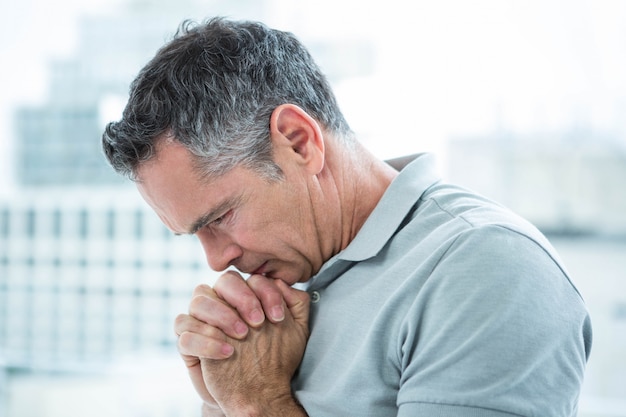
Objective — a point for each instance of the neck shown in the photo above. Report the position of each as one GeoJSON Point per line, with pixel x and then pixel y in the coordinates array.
{"type": "Point", "coordinates": [355, 180]}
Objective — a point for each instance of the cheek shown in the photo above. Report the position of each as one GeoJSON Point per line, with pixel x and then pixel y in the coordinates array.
{"type": "Point", "coordinates": [252, 236]}
{"type": "Point", "coordinates": [278, 229]}
{"type": "Point", "coordinates": [269, 237]}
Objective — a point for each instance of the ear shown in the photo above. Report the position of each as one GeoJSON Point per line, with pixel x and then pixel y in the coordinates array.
{"type": "Point", "coordinates": [292, 129]}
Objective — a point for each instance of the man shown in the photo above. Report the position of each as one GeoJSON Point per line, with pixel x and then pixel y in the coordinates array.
{"type": "Point", "coordinates": [422, 298]}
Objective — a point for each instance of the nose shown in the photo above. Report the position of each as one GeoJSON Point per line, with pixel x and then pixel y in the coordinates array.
{"type": "Point", "coordinates": [220, 251]}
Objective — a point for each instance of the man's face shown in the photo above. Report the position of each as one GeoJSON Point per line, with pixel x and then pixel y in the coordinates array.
{"type": "Point", "coordinates": [240, 218]}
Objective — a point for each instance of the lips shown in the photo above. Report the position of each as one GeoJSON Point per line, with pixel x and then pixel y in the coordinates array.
{"type": "Point", "coordinates": [260, 270]}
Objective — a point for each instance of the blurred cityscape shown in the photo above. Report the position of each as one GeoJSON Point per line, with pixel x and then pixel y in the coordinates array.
{"type": "Point", "coordinates": [90, 281]}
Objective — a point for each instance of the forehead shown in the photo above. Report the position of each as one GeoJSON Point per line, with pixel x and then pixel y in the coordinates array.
{"type": "Point", "coordinates": [171, 163]}
{"type": "Point", "coordinates": [173, 188]}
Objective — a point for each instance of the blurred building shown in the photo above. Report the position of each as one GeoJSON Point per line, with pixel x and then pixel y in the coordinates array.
{"type": "Point", "coordinates": [88, 274]}
{"type": "Point", "coordinates": [85, 281]}
{"type": "Point", "coordinates": [57, 141]}
{"type": "Point", "coordinates": [564, 182]}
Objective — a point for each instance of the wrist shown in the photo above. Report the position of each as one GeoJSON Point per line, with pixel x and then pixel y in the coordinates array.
{"type": "Point", "coordinates": [211, 410]}
{"type": "Point", "coordinates": [283, 406]}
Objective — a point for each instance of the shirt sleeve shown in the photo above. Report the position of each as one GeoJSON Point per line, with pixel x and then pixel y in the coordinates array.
{"type": "Point", "coordinates": [497, 330]}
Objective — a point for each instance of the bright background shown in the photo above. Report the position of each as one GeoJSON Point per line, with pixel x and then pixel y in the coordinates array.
{"type": "Point", "coordinates": [524, 101]}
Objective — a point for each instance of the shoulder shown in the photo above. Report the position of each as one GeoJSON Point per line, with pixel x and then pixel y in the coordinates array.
{"type": "Point", "coordinates": [497, 310]}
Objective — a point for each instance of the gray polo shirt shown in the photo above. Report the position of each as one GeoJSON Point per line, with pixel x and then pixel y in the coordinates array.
{"type": "Point", "coordinates": [444, 304]}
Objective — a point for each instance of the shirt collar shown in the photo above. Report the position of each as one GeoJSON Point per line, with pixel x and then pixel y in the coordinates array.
{"type": "Point", "coordinates": [395, 204]}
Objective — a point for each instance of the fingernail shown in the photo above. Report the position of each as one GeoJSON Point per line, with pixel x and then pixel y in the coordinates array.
{"type": "Point", "coordinates": [240, 328]}
{"type": "Point", "coordinates": [278, 313]}
{"type": "Point", "coordinates": [227, 350]}
{"type": "Point", "coordinates": [256, 317]}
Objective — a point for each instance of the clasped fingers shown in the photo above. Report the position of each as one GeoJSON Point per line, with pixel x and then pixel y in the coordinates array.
{"type": "Point", "coordinates": [209, 309]}
{"type": "Point", "coordinates": [254, 299]}
{"type": "Point", "coordinates": [197, 339]}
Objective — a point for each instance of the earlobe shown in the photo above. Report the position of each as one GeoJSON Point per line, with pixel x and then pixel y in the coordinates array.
{"type": "Point", "coordinates": [293, 128]}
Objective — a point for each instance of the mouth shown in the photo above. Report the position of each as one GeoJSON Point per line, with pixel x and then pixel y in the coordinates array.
{"type": "Point", "coordinates": [262, 270]}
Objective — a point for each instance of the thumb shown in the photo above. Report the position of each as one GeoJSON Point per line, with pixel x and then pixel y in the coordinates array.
{"type": "Point", "coordinates": [298, 302]}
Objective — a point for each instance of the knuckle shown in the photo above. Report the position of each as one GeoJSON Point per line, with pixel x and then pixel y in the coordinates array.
{"type": "Point", "coordinates": [195, 345]}
{"type": "Point", "coordinates": [247, 303]}
{"type": "Point", "coordinates": [185, 324]}
{"type": "Point", "coordinates": [257, 279]}
{"type": "Point", "coordinates": [198, 302]}
{"type": "Point", "coordinates": [240, 297]}
{"type": "Point", "coordinates": [184, 342]}
{"type": "Point", "coordinates": [179, 321]}
{"type": "Point", "coordinates": [270, 295]}
{"type": "Point", "coordinates": [228, 278]}
{"type": "Point", "coordinates": [214, 333]}
{"type": "Point", "coordinates": [303, 295]}
{"type": "Point", "coordinates": [202, 289]}
{"type": "Point", "coordinates": [206, 311]}
{"type": "Point", "coordinates": [262, 285]}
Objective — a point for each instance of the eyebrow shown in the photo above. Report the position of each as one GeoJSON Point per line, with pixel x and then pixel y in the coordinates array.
{"type": "Point", "coordinates": [213, 214]}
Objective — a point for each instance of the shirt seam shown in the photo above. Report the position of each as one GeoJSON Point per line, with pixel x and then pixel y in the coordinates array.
{"type": "Point", "coordinates": [462, 406]}
{"type": "Point", "coordinates": [517, 232]}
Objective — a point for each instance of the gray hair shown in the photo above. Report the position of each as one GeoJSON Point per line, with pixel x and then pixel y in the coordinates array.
{"type": "Point", "coordinates": [213, 88]}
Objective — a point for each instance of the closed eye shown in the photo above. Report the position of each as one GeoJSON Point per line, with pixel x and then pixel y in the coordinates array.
{"type": "Point", "coordinates": [216, 216]}
{"type": "Point", "coordinates": [221, 219]}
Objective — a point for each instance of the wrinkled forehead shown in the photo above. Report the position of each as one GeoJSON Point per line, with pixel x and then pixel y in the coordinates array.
{"type": "Point", "coordinates": [170, 185]}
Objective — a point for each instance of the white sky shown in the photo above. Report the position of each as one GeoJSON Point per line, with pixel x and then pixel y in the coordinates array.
{"type": "Point", "coordinates": [448, 67]}
{"type": "Point", "coordinates": [31, 33]}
